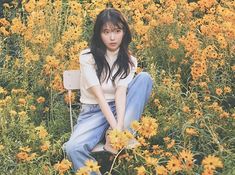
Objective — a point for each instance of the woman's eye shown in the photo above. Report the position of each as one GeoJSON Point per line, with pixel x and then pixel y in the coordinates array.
{"type": "Point", "coordinates": [105, 31]}
{"type": "Point", "coordinates": [118, 30]}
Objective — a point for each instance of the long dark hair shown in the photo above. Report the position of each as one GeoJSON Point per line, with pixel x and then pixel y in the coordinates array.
{"type": "Point", "coordinates": [98, 49]}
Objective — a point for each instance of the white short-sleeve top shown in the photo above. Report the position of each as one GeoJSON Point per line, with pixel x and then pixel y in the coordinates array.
{"type": "Point", "coordinates": [89, 77]}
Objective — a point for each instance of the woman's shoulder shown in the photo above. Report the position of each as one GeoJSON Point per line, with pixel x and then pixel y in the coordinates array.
{"type": "Point", "coordinates": [86, 56]}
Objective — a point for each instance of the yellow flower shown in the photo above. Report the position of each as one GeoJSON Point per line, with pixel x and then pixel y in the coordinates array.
{"type": "Point", "coordinates": [4, 22]}
{"type": "Point", "coordinates": [212, 162]}
{"type": "Point", "coordinates": [157, 102]}
{"type": "Point", "coordinates": [186, 157]}
{"type": "Point", "coordinates": [32, 108]}
{"type": "Point", "coordinates": [3, 91]}
{"type": "Point", "coordinates": [57, 83]}
{"type": "Point", "coordinates": [186, 109]}
{"type": "Point", "coordinates": [4, 31]}
{"type": "Point", "coordinates": [161, 170]}
{"type": "Point", "coordinates": [142, 141]}
{"type": "Point", "coordinates": [75, 7]}
{"type": "Point", "coordinates": [203, 85]}
{"type": "Point", "coordinates": [42, 132]}
{"type": "Point", "coordinates": [218, 91]}
{"type": "Point", "coordinates": [68, 98]}
{"type": "Point", "coordinates": [118, 139]}
{"type": "Point", "coordinates": [52, 62]}
{"type": "Point", "coordinates": [166, 139]}
{"type": "Point", "coordinates": [13, 113]}
{"type": "Point", "coordinates": [42, 3]}
{"type": "Point", "coordinates": [25, 149]}
{"type": "Point", "coordinates": [191, 131]}
{"type": "Point", "coordinates": [22, 101]}
{"type": "Point", "coordinates": [139, 69]}
{"type": "Point", "coordinates": [135, 125]}
{"type": "Point", "coordinates": [171, 144]}
{"type": "Point", "coordinates": [46, 109]}
{"type": "Point", "coordinates": [173, 45]}
{"type": "Point", "coordinates": [32, 156]}
{"type": "Point", "coordinates": [63, 166]}
{"type": "Point", "coordinates": [208, 172]}
{"type": "Point", "coordinates": [197, 113]}
{"type": "Point", "coordinates": [224, 115]}
{"type": "Point", "coordinates": [157, 150]}
{"type": "Point", "coordinates": [174, 165]}
{"type": "Point", "coordinates": [92, 166]}
{"type": "Point", "coordinates": [149, 127]}
{"type": "Point", "coordinates": [3, 103]}
{"type": "Point", "coordinates": [41, 100]}
{"type": "Point", "coordinates": [17, 26]}
{"type": "Point", "coordinates": [227, 89]}
{"type": "Point", "coordinates": [233, 68]}
{"type": "Point", "coordinates": [8, 99]}
{"type": "Point", "coordinates": [46, 145]}
{"type": "Point", "coordinates": [30, 6]}
{"type": "Point", "coordinates": [207, 98]}
{"type": "Point", "coordinates": [59, 50]}
{"type": "Point", "coordinates": [140, 170]}
{"type": "Point", "coordinates": [166, 81]}
{"type": "Point", "coordinates": [83, 171]}
{"type": "Point", "coordinates": [22, 114]}
{"type": "Point", "coordinates": [18, 91]}
{"type": "Point", "coordinates": [233, 115]}
{"type": "Point", "coordinates": [23, 156]}
{"type": "Point", "coordinates": [151, 161]}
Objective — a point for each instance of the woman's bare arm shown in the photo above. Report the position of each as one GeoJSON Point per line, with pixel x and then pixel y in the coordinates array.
{"type": "Point", "coordinates": [97, 91]}
{"type": "Point", "coordinates": [120, 101]}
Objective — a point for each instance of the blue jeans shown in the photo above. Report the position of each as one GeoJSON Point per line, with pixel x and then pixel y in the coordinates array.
{"type": "Point", "coordinates": [92, 125]}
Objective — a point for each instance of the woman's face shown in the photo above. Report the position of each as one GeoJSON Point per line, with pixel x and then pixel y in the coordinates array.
{"type": "Point", "coordinates": [111, 36]}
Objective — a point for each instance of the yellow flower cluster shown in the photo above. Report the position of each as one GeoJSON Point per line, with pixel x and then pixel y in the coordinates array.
{"type": "Point", "coordinates": [42, 132]}
{"type": "Point", "coordinates": [210, 163]}
{"type": "Point", "coordinates": [17, 26]}
{"type": "Point", "coordinates": [119, 139]}
{"type": "Point", "coordinates": [29, 56]}
{"type": "Point", "coordinates": [90, 167]}
{"type": "Point", "coordinates": [24, 154]}
{"type": "Point", "coordinates": [147, 127]}
{"type": "Point", "coordinates": [63, 166]}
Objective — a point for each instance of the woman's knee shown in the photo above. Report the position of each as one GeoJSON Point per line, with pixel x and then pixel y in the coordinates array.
{"type": "Point", "coordinates": [145, 77]}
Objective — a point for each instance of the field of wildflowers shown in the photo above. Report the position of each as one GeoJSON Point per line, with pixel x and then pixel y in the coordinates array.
{"type": "Point", "coordinates": [187, 46]}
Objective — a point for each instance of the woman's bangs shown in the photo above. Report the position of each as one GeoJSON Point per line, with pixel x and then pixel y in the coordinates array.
{"type": "Point", "coordinates": [114, 21]}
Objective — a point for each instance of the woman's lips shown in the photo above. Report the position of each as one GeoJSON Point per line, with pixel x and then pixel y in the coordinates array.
{"type": "Point", "coordinates": [113, 44]}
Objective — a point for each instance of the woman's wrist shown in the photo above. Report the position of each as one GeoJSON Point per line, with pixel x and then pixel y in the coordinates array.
{"type": "Point", "coordinates": [113, 125]}
{"type": "Point", "coordinates": [120, 126]}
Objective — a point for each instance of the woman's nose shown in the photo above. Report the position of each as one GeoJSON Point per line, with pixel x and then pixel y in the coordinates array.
{"type": "Point", "coordinates": [112, 36]}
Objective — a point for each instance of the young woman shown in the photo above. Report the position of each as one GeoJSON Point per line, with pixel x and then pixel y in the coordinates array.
{"type": "Point", "coordinates": [110, 95]}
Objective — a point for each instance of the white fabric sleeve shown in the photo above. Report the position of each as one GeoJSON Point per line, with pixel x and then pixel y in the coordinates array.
{"type": "Point", "coordinates": [87, 68]}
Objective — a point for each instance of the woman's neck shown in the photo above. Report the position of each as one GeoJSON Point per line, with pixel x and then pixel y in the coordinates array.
{"type": "Point", "coordinates": [112, 54]}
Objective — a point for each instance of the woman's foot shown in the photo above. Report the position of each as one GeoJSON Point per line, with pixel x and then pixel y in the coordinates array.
{"type": "Point", "coordinates": [110, 149]}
